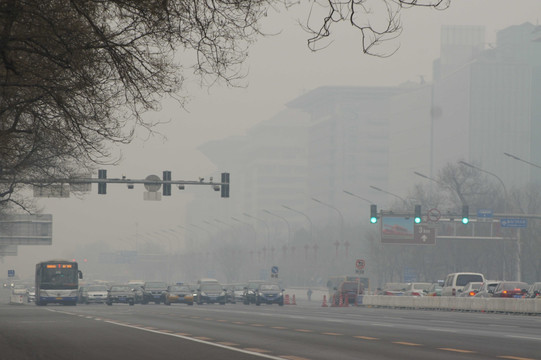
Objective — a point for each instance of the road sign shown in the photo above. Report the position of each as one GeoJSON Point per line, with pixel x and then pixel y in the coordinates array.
{"type": "Point", "coordinates": [485, 214]}
{"type": "Point", "coordinates": [360, 264]}
{"type": "Point", "coordinates": [150, 186]}
{"type": "Point", "coordinates": [433, 215]}
{"type": "Point", "coordinates": [11, 273]}
{"type": "Point", "coordinates": [424, 235]}
{"type": "Point", "coordinates": [514, 223]}
{"type": "Point", "coordinates": [274, 269]}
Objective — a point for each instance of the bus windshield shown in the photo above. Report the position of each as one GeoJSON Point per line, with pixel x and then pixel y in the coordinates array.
{"type": "Point", "coordinates": [58, 278]}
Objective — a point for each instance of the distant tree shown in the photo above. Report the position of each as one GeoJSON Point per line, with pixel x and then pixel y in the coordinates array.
{"type": "Point", "coordinates": [77, 75]}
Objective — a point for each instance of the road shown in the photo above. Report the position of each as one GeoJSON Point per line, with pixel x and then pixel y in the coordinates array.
{"type": "Point", "coordinates": [294, 332]}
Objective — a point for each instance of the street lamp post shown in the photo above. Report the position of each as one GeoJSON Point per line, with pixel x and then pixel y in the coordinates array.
{"type": "Point", "coordinates": [339, 213]}
{"type": "Point", "coordinates": [389, 193]}
{"type": "Point", "coordinates": [307, 218]}
{"type": "Point", "coordinates": [357, 196]}
{"type": "Point", "coordinates": [287, 222]}
{"type": "Point", "coordinates": [460, 196]}
{"type": "Point", "coordinates": [506, 198]}
{"type": "Point", "coordinates": [264, 223]}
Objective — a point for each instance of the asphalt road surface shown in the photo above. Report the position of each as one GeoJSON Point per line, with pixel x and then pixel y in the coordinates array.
{"type": "Point", "coordinates": [294, 332]}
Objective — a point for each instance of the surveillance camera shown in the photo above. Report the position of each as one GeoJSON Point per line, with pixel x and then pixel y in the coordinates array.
{"type": "Point", "coordinates": [130, 186]}
{"type": "Point", "coordinates": [216, 187]}
{"type": "Point", "coordinates": [181, 187]}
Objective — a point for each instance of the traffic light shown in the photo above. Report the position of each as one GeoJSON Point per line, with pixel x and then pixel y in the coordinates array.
{"type": "Point", "coordinates": [373, 214]}
{"type": "Point", "coordinates": [225, 185]}
{"type": "Point", "coordinates": [465, 214]}
{"type": "Point", "coordinates": [102, 186]}
{"type": "Point", "coordinates": [166, 187]}
{"type": "Point", "coordinates": [417, 218]}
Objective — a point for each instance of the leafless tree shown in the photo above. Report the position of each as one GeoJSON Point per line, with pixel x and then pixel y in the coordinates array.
{"type": "Point", "coordinates": [77, 75]}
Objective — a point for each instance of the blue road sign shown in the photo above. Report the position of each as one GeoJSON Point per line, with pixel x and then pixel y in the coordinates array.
{"type": "Point", "coordinates": [514, 223]}
{"type": "Point", "coordinates": [274, 269]}
{"type": "Point", "coordinates": [11, 273]}
{"type": "Point", "coordinates": [485, 213]}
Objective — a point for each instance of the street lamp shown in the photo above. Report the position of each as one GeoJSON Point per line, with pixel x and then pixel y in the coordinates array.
{"type": "Point", "coordinates": [390, 193]}
{"type": "Point", "coordinates": [264, 223]}
{"type": "Point", "coordinates": [307, 218]}
{"type": "Point", "coordinates": [519, 159]}
{"type": "Point", "coordinates": [339, 213]}
{"type": "Point", "coordinates": [287, 222]}
{"type": "Point", "coordinates": [461, 198]}
{"type": "Point", "coordinates": [245, 223]}
{"type": "Point", "coordinates": [518, 265]}
{"type": "Point", "coordinates": [357, 196]}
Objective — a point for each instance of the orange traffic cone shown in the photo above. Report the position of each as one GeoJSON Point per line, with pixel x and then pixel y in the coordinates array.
{"type": "Point", "coordinates": [346, 301]}
{"type": "Point", "coordinates": [341, 301]}
{"type": "Point", "coordinates": [286, 300]}
{"type": "Point", "coordinates": [334, 300]}
{"type": "Point", "coordinates": [324, 301]}
{"type": "Point", "coordinates": [293, 302]}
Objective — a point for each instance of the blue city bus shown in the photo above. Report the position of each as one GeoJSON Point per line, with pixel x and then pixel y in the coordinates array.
{"type": "Point", "coordinates": [57, 281]}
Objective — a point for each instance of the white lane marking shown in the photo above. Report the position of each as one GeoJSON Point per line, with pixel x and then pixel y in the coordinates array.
{"type": "Point", "coordinates": [524, 337]}
{"type": "Point", "coordinates": [199, 341]}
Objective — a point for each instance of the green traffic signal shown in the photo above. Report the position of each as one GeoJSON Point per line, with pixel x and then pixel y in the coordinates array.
{"type": "Point", "coordinates": [373, 214]}
{"type": "Point", "coordinates": [417, 218]}
{"type": "Point", "coordinates": [465, 214]}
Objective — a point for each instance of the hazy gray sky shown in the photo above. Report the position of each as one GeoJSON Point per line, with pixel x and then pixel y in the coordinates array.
{"type": "Point", "coordinates": [280, 68]}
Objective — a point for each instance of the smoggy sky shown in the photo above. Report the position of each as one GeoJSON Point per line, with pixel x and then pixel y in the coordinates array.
{"type": "Point", "coordinates": [279, 68]}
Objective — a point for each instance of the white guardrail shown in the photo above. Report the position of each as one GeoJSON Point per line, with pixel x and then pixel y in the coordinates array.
{"type": "Point", "coordinates": [522, 306]}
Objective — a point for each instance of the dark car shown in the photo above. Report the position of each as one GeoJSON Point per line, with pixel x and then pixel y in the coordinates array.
{"type": "Point", "coordinates": [120, 294]}
{"type": "Point", "coordinates": [250, 291]}
{"type": "Point", "coordinates": [180, 294]}
{"type": "Point", "coordinates": [210, 293]}
{"type": "Point", "coordinates": [269, 294]}
{"type": "Point", "coordinates": [511, 289]}
{"type": "Point", "coordinates": [153, 292]}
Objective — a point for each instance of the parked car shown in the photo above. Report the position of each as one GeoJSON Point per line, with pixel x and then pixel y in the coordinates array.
{"type": "Point", "coordinates": [487, 288]}
{"type": "Point", "coordinates": [250, 291]}
{"type": "Point", "coordinates": [455, 282]}
{"type": "Point", "coordinates": [153, 291]}
{"type": "Point", "coordinates": [417, 289]}
{"type": "Point", "coordinates": [95, 294]}
{"type": "Point", "coordinates": [534, 291]}
{"type": "Point", "coordinates": [179, 294]}
{"type": "Point", "coordinates": [470, 289]}
{"type": "Point", "coordinates": [269, 293]}
{"type": "Point", "coordinates": [434, 290]}
{"type": "Point", "coordinates": [120, 294]}
{"type": "Point", "coordinates": [210, 293]}
{"type": "Point", "coordinates": [511, 289]}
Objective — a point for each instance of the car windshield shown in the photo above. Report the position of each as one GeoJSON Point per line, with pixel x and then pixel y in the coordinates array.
{"type": "Point", "coordinates": [97, 288]}
{"type": "Point", "coordinates": [155, 285]}
{"type": "Point", "coordinates": [464, 279]}
{"type": "Point", "coordinates": [211, 287]}
{"type": "Point", "coordinates": [475, 285]}
{"type": "Point", "coordinates": [116, 288]}
{"type": "Point", "coordinates": [179, 288]}
{"type": "Point", "coordinates": [270, 287]}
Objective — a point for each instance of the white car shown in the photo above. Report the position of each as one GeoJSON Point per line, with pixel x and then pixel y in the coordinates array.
{"type": "Point", "coordinates": [19, 289]}
{"type": "Point", "coordinates": [96, 294]}
{"type": "Point", "coordinates": [470, 289]}
{"type": "Point", "coordinates": [417, 289]}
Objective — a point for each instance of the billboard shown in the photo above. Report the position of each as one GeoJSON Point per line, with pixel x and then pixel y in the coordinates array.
{"type": "Point", "coordinates": [24, 229]}
{"type": "Point", "coordinates": [402, 230]}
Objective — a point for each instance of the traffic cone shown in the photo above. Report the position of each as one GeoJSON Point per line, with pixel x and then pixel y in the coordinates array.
{"type": "Point", "coordinates": [293, 302]}
{"type": "Point", "coordinates": [346, 301]}
{"type": "Point", "coordinates": [286, 300]}
{"type": "Point", "coordinates": [324, 301]}
{"type": "Point", "coordinates": [341, 301]}
{"type": "Point", "coordinates": [333, 304]}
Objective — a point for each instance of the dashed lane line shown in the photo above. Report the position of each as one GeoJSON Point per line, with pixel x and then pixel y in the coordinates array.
{"type": "Point", "coordinates": [366, 337]}
{"type": "Point", "coordinates": [457, 350]}
{"type": "Point", "coordinates": [406, 343]}
{"type": "Point", "coordinates": [514, 357]}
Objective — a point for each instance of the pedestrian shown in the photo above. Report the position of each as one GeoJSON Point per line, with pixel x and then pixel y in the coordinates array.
{"type": "Point", "coordinates": [309, 293]}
